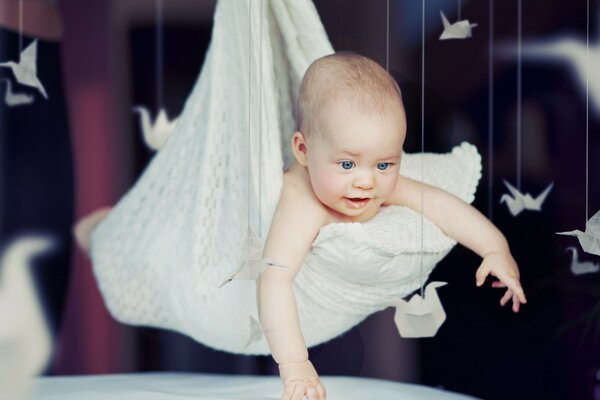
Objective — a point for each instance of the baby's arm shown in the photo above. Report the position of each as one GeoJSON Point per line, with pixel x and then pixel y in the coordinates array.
{"type": "Point", "coordinates": [470, 228]}
{"type": "Point", "coordinates": [295, 224]}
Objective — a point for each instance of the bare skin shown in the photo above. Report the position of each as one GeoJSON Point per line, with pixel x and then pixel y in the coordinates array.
{"type": "Point", "coordinates": [345, 163]}
{"type": "Point", "coordinates": [316, 189]}
{"type": "Point", "coordinates": [297, 176]}
{"type": "Point", "coordinates": [83, 228]}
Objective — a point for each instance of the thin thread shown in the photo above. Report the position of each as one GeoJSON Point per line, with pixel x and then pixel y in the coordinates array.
{"type": "Point", "coordinates": [387, 37]}
{"type": "Point", "coordinates": [260, 130]}
{"type": "Point", "coordinates": [249, 114]}
{"type": "Point", "coordinates": [20, 26]}
{"type": "Point", "coordinates": [159, 55]}
{"type": "Point", "coordinates": [491, 114]}
{"type": "Point", "coordinates": [519, 98]}
{"type": "Point", "coordinates": [587, 111]}
{"type": "Point", "coordinates": [459, 9]}
{"type": "Point", "coordinates": [422, 134]}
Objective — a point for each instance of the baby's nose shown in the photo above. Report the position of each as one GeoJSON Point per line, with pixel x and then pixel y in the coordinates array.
{"type": "Point", "coordinates": [364, 181]}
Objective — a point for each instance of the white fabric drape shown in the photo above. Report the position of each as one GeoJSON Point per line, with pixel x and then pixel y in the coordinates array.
{"type": "Point", "coordinates": [183, 228]}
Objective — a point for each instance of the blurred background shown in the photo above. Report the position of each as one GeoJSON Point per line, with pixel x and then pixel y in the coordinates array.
{"type": "Point", "coordinates": [83, 149]}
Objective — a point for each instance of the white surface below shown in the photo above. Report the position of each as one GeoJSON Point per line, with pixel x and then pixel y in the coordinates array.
{"type": "Point", "coordinates": [182, 386]}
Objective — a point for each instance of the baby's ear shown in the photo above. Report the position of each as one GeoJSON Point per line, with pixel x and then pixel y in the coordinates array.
{"type": "Point", "coordinates": [299, 148]}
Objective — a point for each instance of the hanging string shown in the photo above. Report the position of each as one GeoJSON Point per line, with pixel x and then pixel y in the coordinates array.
{"type": "Point", "coordinates": [387, 37]}
{"type": "Point", "coordinates": [587, 111]}
{"type": "Point", "coordinates": [491, 112]}
{"type": "Point", "coordinates": [159, 55]}
{"type": "Point", "coordinates": [260, 128]}
{"type": "Point", "coordinates": [519, 97]}
{"type": "Point", "coordinates": [20, 26]}
{"type": "Point", "coordinates": [459, 9]}
{"type": "Point", "coordinates": [249, 115]}
{"type": "Point", "coordinates": [422, 134]}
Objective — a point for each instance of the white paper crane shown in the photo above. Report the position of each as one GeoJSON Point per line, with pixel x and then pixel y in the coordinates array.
{"type": "Point", "coordinates": [517, 202]}
{"type": "Point", "coordinates": [158, 132]}
{"type": "Point", "coordinates": [13, 99]}
{"type": "Point", "coordinates": [420, 317]}
{"type": "Point", "coordinates": [251, 269]}
{"type": "Point", "coordinates": [256, 332]}
{"type": "Point", "coordinates": [26, 70]}
{"type": "Point", "coordinates": [25, 340]}
{"type": "Point", "coordinates": [570, 51]}
{"type": "Point", "coordinates": [590, 239]}
{"type": "Point", "coordinates": [581, 267]}
{"type": "Point", "coordinates": [458, 30]}
{"type": "Point", "coordinates": [253, 265]}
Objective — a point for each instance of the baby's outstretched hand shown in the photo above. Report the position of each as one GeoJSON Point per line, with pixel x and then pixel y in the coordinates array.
{"type": "Point", "coordinates": [503, 266]}
{"type": "Point", "coordinates": [300, 379]}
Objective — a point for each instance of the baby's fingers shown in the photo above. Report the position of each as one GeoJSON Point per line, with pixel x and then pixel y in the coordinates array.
{"type": "Point", "coordinates": [515, 287]}
{"type": "Point", "coordinates": [516, 304]}
{"type": "Point", "coordinates": [498, 284]}
{"type": "Point", "coordinates": [321, 391]}
{"type": "Point", "coordinates": [288, 391]}
{"type": "Point", "coordinates": [312, 394]}
{"type": "Point", "coordinates": [291, 391]}
{"type": "Point", "coordinates": [481, 274]}
{"type": "Point", "coordinates": [506, 297]}
{"type": "Point", "coordinates": [299, 391]}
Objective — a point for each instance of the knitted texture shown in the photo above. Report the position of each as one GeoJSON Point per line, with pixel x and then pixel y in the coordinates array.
{"type": "Point", "coordinates": [183, 228]}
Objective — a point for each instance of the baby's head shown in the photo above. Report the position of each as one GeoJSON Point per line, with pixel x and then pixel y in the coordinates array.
{"type": "Point", "coordinates": [350, 132]}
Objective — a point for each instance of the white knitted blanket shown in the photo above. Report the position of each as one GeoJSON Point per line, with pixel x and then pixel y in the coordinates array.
{"type": "Point", "coordinates": [180, 231]}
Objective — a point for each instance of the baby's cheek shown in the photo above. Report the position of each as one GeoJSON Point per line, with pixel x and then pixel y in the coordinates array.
{"type": "Point", "coordinates": [388, 185]}
{"type": "Point", "coordinates": [330, 186]}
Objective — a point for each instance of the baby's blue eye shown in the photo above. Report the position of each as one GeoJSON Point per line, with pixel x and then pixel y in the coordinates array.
{"type": "Point", "coordinates": [346, 164]}
{"type": "Point", "coordinates": [382, 166]}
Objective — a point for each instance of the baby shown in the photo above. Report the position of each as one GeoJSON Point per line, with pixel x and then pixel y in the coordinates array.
{"type": "Point", "coordinates": [347, 149]}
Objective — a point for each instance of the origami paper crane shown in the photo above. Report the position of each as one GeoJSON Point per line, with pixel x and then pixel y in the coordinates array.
{"type": "Point", "coordinates": [25, 341]}
{"type": "Point", "coordinates": [458, 30]}
{"type": "Point", "coordinates": [251, 269]}
{"type": "Point", "coordinates": [590, 239]}
{"type": "Point", "coordinates": [581, 267]}
{"type": "Point", "coordinates": [256, 332]}
{"type": "Point", "coordinates": [570, 51]}
{"type": "Point", "coordinates": [519, 202]}
{"type": "Point", "coordinates": [158, 132]}
{"type": "Point", "coordinates": [253, 265]}
{"type": "Point", "coordinates": [13, 99]}
{"type": "Point", "coordinates": [26, 70]}
{"type": "Point", "coordinates": [420, 317]}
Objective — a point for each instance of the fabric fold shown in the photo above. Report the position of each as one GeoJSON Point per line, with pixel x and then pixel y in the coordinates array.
{"type": "Point", "coordinates": [206, 200]}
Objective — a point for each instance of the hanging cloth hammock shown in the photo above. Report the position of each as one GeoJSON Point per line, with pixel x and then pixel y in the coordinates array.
{"type": "Point", "coordinates": [204, 205]}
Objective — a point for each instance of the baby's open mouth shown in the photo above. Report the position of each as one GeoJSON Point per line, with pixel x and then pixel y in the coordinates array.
{"type": "Point", "coordinates": [357, 202]}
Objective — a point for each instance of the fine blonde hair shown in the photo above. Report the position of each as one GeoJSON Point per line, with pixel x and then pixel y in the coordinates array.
{"type": "Point", "coordinates": [345, 77]}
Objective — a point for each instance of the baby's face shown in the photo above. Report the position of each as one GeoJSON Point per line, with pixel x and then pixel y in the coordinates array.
{"type": "Point", "coordinates": [354, 161]}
